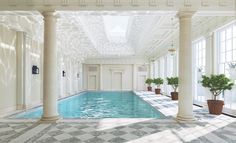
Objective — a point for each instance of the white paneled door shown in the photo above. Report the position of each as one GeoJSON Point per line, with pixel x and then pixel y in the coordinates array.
{"type": "Point", "coordinates": [92, 82]}
{"type": "Point", "coordinates": [117, 81]}
{"type": "Point", "coordinates": [141, 82]}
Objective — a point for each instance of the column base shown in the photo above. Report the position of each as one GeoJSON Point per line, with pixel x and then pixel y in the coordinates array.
{"type": "Point", "coordinates": [50, 119]}
{"type": "Point", "coordinates": [185, 118]}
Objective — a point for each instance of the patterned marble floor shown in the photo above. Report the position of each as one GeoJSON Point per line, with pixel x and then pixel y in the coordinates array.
{"type": "Point", "coordinates": [206, 128]}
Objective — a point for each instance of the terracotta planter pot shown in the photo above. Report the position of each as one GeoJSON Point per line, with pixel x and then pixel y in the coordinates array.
{"type": "Point", "coordinates": [158, 91]}
{"type": "Point", "coordinates": [174, 95]}
{"type": "Point", "coordinates": [149, 88]}
{"type": "Point", "coordinates": [215, 106]}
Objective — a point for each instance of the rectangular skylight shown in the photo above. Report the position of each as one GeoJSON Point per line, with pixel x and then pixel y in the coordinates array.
{"type": "Point", "coordinates": [116, 28]}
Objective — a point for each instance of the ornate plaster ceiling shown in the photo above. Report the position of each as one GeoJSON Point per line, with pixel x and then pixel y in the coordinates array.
{"type": "Point", "coordinates": [89, 34]}
{"type": "Point", "coordinates": [129, 33]}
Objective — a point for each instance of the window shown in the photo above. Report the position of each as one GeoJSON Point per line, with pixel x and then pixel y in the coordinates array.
{"type": "Point", "coordinates": [200, 54]}
{"type": "Point", "coordinates": [162, 67]}
{"type": "Point", "coordinates": [199, 64]}
{"type": "Point", "coordinates": [156, 67]}
{"type": "Point", "coordinates": [169, 68]}
{"type": "Point", "coordinates": [169, 65]}
{"type": "Point", "coordinates": [226, 51]}
{"type": "Point", "coordinates": [226, 43]}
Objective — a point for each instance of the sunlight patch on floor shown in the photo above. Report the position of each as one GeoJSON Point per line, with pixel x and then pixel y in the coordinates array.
{"type": "Point", "coordinates": [105, 124]}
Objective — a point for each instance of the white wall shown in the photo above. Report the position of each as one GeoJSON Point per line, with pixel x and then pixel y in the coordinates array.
{"type": "Point", "coordinates": [7, 69]}
{"type": "Point", "coordinates": [36, 58]}
{"type": "Point", "coordinates": [32, 51]}
{"type": "Point", "coordinates": [108, 70]}
{"type": "Point", "coordinates": [19, 88]}
{"type": "Point", "coordinates": [69, 84]}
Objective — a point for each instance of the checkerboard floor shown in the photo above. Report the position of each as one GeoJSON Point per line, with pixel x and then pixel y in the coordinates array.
{"type": "Point", "coordinates": [206, 128]}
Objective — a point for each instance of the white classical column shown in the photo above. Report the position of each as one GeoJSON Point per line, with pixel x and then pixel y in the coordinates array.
{"type": "Point", "coordinates": [50, 90]}
{"type": "Point", "coordinates": [20, 55]}
{"type": "Point", "coordinates": [185, 111]}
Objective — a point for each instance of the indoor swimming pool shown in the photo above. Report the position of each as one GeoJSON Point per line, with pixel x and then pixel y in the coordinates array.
{"type": "Point", "coordinates": [99, 105]}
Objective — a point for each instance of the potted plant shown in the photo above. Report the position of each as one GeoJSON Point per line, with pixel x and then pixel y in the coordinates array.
{"type": "Point", "coordinates": [217, 84]}
{"type": "Point", "coordinates": [174, 82]}
{"type": "Point", "coordinates": [158, 82]}
{"type": "Point", "coordinates": [149, 81]}
{"type": "Point", "coordinates": [232, 70]}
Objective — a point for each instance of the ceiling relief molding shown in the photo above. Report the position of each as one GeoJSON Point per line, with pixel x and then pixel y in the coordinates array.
{"type": "Point", "coordinates": [170, 3]}
{"type": "Point", "coordinates": [152, 3]}
{"type": "Point", "coordinates": [47, 2]}
{"type": "Point", "coordinates": [117, 3]}
{"type": "Point", "coordinates": [86, 35]}
{"type": "Point", "coordinates": [29, 2]}
{"type": "Point", "coordinates": [224, 2]}
{"type": "Point", "coordinates": [212, 5]}
{"type": "Point", "coordinates": [13, 2]}
{"type": "Point", "coordinates": [64, 2]}
{"type": "Point", "coordinates": [99, 2]}
{"type": "Point", "coordinates": [205, 3]}
{"type": "Point", "coordinates": [81, 3]}
{"type": "Point", "coordinates": [188, 3]}
{"type": "Point", "coordinates": [134, 2]}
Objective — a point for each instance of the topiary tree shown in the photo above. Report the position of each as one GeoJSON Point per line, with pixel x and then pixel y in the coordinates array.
{"type": "Point", "coordinates": [149, 81]}
{"type": "Point", "coordinates": [174, 82]}
{"type": "Point", "coordinates": [158, 81]}
{"type": "Point", "coordinates": [217, 84]}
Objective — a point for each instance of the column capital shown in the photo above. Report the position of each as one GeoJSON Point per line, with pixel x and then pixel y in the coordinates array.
{"type": "Point", "coordinates": [50, 14]}
{"type": "Point", "coordinates": [185, 14]}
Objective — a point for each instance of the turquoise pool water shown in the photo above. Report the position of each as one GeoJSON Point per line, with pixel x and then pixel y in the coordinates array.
{"type": "Point", "coordinates": [100, 105]}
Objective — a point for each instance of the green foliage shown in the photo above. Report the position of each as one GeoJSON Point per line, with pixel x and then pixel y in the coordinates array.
{"type": "Point", "coordinates": [217, 84]}
{"type": "Point", "coordinates": [149, 81]}
{"type": "Point", "coordinates": [158, 81]}
{"type": "Point", "coordinates": [174, 82]}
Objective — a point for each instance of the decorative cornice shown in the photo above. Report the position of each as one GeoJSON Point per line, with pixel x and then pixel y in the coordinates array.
{"type": "Point", "coordinates": [186, 14]}
{"type": "Point", "coordinates": [220, 5]}
{"type": "Point", "coordinates": [50, 14]}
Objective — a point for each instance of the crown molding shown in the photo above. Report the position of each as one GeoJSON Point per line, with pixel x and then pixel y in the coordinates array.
{"type": "Point", "coordinates": [60, 5]}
